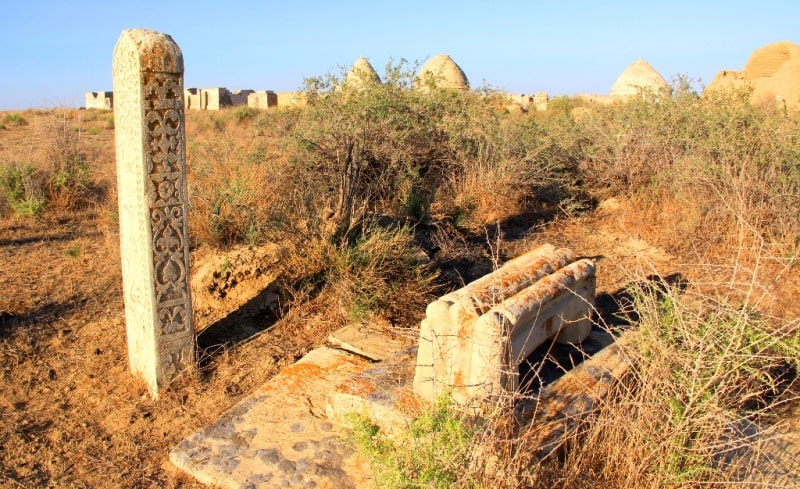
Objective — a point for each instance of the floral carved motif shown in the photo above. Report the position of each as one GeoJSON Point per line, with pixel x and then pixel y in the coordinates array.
{"type": "Point", "coordinates": [165, 150]}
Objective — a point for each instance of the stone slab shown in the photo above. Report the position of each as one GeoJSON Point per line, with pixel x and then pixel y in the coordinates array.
{"type": "Point", "coordinates": [366, 340]}
{"type": "Point", "coordinates": [279, 436]}
{"type": "Point", "coordinates": [384, 393]}
{"type": "Point", "coordinates": [572, 398]}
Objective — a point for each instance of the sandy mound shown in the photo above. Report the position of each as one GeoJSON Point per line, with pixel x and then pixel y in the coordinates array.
{"type": "Point", "coordinates": [638, 76]}
{"type": "Point", "coordinates": [442, 72]}
{"type": "Point", "coordinates": [773, 72]}
{"type": "Point", "coordinates": [225, 281]}
{"type": "Point", "coordinates": [361, 74]}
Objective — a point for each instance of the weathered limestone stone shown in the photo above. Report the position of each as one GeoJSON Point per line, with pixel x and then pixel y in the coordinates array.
{"type": "Point", "coordinates": [262, 99]}
{"type": "Point", "coordinates": [638, 76]}
{"type": "Point", "coordinates": [366, 340]}
{"type": "Point", "coordinates": [193, 98]}
{"type": "Point", "coordinates": [239, 97]}
{"type": "Point", "coordinates": [100, 100]}
{"type": "Point", "coordinates": [151, 184]}
{"type": "Point", "coordinates": [473, 340]}
{"type": "Point", "coordinates": [279, 436]}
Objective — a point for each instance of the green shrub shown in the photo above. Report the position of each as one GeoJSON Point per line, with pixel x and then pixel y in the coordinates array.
{"type": "Point", "coordinates": [14, 120]}
{"type": "Point", "coordinates": [434, 452]}
{"type": "Point", "coordinates": [69, 182]}
{"type": "Point", "coordinates": [378, 273]}
{"type": "Point", "coordinates": [22, 189]}
{"type": "Point", "coordinates": [245, 113]}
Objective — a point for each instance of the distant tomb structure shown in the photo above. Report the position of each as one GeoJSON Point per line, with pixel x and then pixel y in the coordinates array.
{"type": "Point", "coordinates": [772, 72]}
{"type": "Point", "coordinates": [153, 204]}
{"type": "Point", "coordinates": [239, 97]}
{"type": "Point", "coordinates": [639, 76]}
{"type": "Point", "coordinates": [262, 99]}
{"type": "Point", "coordinates": [441, 72]}
{"type": "Point", "coordinates": [100, 100]}
{"type": "Point", "coordinates": [292, 99]}
{"type": "Point", "coordinates": [361, 75]}
{"type": "Point", "coordinates": [215, 98]}
{"type": "Point", "coordinates": [193, 99]}
{"type": "Point", "coordinates": [540, 101]}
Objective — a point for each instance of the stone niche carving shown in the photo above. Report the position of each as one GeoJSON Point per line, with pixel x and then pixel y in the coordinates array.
{"type": "Point", "coordinates": [473, 340]}
{"type": "Point", "coordinates": [153, 202]}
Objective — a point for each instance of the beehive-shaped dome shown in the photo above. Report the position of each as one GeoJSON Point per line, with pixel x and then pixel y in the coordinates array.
{"type": "Point", "coordinates": [442, 72]}
{"type": "Point", "coordinates": [362, 74]}
{"type": "Point", "coordinates": [636, 77]}
{"type": "Point", "coordinates": [768, 60]}
{"type": "Point", "coordinates": [772, 71]}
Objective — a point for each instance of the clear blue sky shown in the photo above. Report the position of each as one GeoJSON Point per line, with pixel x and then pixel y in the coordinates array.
{"type": "Point", "coordinates": [52, 52]}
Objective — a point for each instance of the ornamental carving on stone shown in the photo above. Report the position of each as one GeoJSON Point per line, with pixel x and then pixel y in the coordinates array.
{"type": "Point", "coordinates": [165, 150]}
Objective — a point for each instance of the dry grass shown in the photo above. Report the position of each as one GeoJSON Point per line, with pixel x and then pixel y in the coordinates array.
{"type": "Point", "coordinates": [445, 187]}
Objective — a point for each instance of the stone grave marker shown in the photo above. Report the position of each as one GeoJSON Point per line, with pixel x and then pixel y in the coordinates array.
{"type": "Point", "coordinates": [153, 203]}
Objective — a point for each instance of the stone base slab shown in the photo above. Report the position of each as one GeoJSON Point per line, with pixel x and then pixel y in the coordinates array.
{"type": "Point", "coordinates": [279, 436]}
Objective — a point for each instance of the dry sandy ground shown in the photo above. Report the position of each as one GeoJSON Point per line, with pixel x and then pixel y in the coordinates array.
{"type": "Point", "coordinates": [71, 415]}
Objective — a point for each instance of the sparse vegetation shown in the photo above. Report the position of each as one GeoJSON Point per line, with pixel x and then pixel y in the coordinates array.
{"type": "Point", "coordinates": [384, 197]}
{"type": "Point", "coordinates": [14, 120]}
{"type": "Point", "coordinates": [434, 452]}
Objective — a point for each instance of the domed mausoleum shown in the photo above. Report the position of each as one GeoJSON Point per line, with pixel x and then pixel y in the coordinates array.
{"type": "Point", "coordinates": [441, 72]}
{"type": "Point", "coordinates": [361, 74]}
{"type": "Point", "coordinates": [638, 76]}
{"type": "Point", "coordinates": [773, 72]}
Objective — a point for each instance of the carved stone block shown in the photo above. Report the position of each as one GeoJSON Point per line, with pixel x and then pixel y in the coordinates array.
{"type": "Point", "coordinates": [153, 202]}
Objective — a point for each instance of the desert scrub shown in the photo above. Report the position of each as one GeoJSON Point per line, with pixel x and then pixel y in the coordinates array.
{"type": "Point", "coordinates": [11, 120]}
{"type": "Point", "coordinates": [701, 375]}
{"type": "Point", "coordinates": [433, 452]}
{"type": "Point", "coordinates": [232, 187]}
{"type": "Point", "coordinates": [366, 151]}
{"type": "Point", "coordinates": [245, 113]}
{"type": "Point", "coordinates": [69, 182]}
{"type": "Point", "coordinates": [732, 159]}
{"type": "Point", "coordinates": [21, 190]}
{"type": "Point", "coordinates": [378, 273]}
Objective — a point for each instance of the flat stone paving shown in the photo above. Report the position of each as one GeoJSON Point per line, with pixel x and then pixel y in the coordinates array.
{"type": "Point", "coordinates": [279, 436]}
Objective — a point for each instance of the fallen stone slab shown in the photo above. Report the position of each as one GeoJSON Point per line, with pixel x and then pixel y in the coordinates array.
{"type": "Point", "coordinates": [279, 436]}
{"type": "Point", "coordinates": [571, 399]}
{"type": "Point", "coordinates": [366, 340]}
{"type": "Point", "coordinates": [383, 393]}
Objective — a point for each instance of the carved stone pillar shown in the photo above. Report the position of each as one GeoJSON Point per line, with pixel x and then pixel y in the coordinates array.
{"type": "Point", "coordinates": [153, 202]}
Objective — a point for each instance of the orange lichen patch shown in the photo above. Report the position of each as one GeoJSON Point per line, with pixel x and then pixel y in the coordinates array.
{"type": "Point", "coordinates": [407, 400]}
{"type": "Point", "coordinates": [458, 378]}
{"type": "Point", "coordinates": [550, 286]}
{"type": "Point", "coordinates": [506, 284]}
{"type": "Point", "coordinates": [294, 376]}
{"type": "Point", "coordinates": [357, 386]}
{"type": "Point", "coordinates": [465, 330]}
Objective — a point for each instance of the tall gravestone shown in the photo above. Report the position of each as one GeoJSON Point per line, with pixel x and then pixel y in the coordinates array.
{"type": "Point", "coordinates": [153, 201]}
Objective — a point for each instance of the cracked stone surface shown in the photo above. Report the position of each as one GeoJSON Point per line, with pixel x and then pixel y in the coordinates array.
{"type": "Point", "coordinates": [279, 436]}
